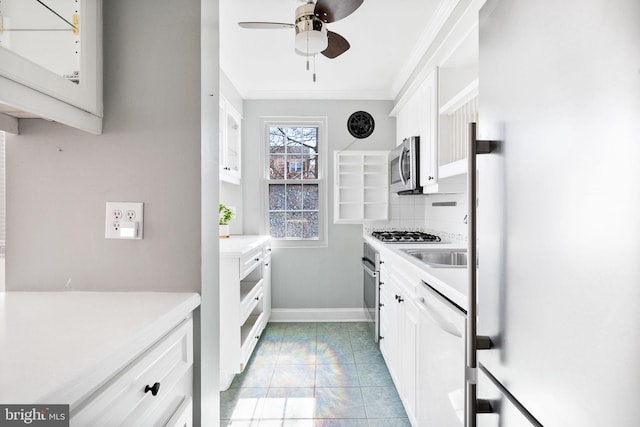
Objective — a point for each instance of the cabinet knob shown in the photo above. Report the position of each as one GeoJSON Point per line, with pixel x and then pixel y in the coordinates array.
{"type": "Point", "coordinates": [257, 260]}
{"type": "Point", "coordinates": [400, 299]}
{"type": "Point", "coordinates": [153, 389]}
{"type": "Point", "coordinates": [380, 338]}
{"type": "Point", "coordinates": [257, 298]}
{"type": "Point", "coordinates": [430, 178]}
{"type": "Point", "coordinates": [381, 305]}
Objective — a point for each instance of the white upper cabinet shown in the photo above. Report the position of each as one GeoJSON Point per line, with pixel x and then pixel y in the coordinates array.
{"type": "Point", "coordinates": [230, 142]}
{"type": "Point", "coordinates": [51, 61]}
{"type": "Point", "coordinates": [457, 104]}
{"type": "Point", "coordinates": [440, 101]}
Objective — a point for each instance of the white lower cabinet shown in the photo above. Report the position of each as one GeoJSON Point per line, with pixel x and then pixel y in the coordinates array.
{"type": "Point", "coordinates": [245, 307]}
{"type": "Point", "coordinates": [155, 389]}
{"type": "Point", "coordinates": [399, 329]}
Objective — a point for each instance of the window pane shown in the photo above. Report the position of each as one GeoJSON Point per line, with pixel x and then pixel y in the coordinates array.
{"type": "Point", "coordinates": [294, 197]}
{"type": "Point", "coordinates": [310, 229]}
{"type": "Point", "coordinates": [276, 224]}
{"type": "Point", "coordinates": [310, 167]}
{"type": "Point", "coordinates": [310, 197]}
{"type": "Point", "coordinates": [276, 166]}
{"type": "Point", "coordinates": [295, 225]}
{"type": "Point", "coordinates": [276, 197]}
{"type": "Point", "coordinates": [276, 140]}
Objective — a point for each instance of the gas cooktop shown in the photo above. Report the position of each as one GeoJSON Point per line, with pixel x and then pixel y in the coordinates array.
{"type": "Point", "coordinates": [405, 237]}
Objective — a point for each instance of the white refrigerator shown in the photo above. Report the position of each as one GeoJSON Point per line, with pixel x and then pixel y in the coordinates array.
{"type": "Point", "coordinates": [558, 213]}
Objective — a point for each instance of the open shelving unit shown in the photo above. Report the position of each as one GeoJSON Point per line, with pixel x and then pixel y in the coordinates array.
{"type": "Point", "coordinates": [361, 187]}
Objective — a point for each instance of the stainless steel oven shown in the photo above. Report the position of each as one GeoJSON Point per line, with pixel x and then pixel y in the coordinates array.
{"type": "Point", "coordinates": [371, 274]}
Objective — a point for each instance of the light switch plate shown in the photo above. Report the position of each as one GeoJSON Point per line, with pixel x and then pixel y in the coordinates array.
{"type": "Point", "coordinates": [121, 217]}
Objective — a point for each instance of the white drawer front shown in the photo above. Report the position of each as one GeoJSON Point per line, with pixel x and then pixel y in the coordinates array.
{"type": "Point", "coordinates": [250, 261]}
{"type": "Point", "coordinates": [169, 363]}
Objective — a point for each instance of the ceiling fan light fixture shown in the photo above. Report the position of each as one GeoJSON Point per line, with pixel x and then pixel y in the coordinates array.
{"type": "Point", "coordinates": [311, 32]}
{"type": "Point", "coordinates": [311, 42]}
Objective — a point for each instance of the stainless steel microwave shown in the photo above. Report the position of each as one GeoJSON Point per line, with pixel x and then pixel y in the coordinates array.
{"type": "Point", "coordinates": [404, 167]}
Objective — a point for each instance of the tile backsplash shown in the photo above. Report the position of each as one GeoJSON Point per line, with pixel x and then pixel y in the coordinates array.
{"type": "Point", "coordinates": [417, 212]}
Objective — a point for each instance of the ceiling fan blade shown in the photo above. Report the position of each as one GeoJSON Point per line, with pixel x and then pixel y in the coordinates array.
{"type": "Point", "coordinates": [334, 10]}
{"type": "Point", "coordinates": [337, 45]}
{"type": "Point", "coordinates": [265, 25]}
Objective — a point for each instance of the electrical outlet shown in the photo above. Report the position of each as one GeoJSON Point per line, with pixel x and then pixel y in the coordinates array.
{"type": "Point", "coordinates": [124, 220]}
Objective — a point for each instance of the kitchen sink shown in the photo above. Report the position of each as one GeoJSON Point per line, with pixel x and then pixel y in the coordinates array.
{"type": "Point", "coordinates": [440, 258]}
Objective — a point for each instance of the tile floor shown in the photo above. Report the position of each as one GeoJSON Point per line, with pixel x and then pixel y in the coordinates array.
{"type": "Point", "coordinates": [314, 375]}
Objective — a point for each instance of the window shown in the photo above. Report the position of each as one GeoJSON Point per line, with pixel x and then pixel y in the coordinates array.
{"type": "Point", "coordinates": [294, 180]}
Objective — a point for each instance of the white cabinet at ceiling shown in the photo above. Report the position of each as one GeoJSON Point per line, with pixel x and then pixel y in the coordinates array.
{"type": "Point", "coordinates": [61, 80]}
{"type": "Point", "coordinates": [230, 142]}
{"type": "Point", "coordinates": [429, 130]}
{"type": "Point", "coordinates": [245, 300]}
{"type": "Point", "coordinates": [457, 101]}
{"type": "Point", "coordinates": [361, 185]}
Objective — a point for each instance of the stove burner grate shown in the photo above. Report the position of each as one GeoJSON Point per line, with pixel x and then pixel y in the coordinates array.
{"type": "Point", "coordinates": [405, 237]}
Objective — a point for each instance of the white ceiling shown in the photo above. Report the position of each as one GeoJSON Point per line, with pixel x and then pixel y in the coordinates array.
{"type": "Point", "coordinates": [387, 39]}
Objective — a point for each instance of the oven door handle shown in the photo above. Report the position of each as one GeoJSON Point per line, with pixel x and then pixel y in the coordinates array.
{"type": "Point", "coordinates": [367, 269]}
{"type": "Point", "coordinates": [436, 317]}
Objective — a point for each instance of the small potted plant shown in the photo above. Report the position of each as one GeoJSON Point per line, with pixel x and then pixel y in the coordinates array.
{"type": "Point", "coordinates": [225, 215]}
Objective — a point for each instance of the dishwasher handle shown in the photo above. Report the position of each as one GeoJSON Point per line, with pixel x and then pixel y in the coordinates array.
{"type": "Point", "coordinates": [436, 317]}
{"type": "Point", "coordinates": [365, 265]}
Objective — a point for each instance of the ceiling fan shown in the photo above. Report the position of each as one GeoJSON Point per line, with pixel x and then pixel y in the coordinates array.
{"type": "Point", "coordinates": [312, 36]}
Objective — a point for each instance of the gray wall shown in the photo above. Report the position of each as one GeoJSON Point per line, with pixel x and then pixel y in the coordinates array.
{"type": "Point", "coordinates": [58, 178]}
{"type": "Point", "coordinates": [328, 277]}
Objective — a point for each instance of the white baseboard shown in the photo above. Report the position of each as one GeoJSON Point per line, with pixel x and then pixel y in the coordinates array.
{"type": "Point", "coordinates": [318, 315]}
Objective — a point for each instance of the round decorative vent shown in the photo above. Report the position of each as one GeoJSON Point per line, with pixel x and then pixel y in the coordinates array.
{"type": "Point", "coordinates": [360, 124]}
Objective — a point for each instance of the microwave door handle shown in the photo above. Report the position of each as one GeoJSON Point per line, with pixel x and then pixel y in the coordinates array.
{"type": "Point", "coordinates": [401, 168]}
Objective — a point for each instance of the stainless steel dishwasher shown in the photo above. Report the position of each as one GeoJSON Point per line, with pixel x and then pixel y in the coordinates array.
{"type": "Point", "coordinates": [441, 359]}
{"type": "Point", "coordinates": [371, 303]}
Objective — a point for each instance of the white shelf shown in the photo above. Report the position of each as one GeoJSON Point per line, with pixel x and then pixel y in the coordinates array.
{"type": "Point", "coordinates": [465, 95]}
{"type": "Point", "coordinates": [459, 167]}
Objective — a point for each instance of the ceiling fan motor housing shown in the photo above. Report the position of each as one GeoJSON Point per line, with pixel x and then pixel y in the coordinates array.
{"type": "Point", "coordinates": [311, 32]}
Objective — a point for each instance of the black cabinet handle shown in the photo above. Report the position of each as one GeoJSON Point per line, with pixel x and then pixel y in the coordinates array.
{"type": "Point", "coordinates": [400, 299]}
{"type": "Point", "coordinates": [153, 389]}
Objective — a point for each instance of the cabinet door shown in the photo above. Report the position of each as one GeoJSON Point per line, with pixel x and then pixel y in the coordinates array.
{"type": "Point", "coordinates": [429, 130]}
{"type": "Point", "coordinates": [66, 66]}
{"type": "Point", "coordinates": [409, 320]}
{"type": "Point", "coordinates": [230, 137]}
{"type": "Point", "coordinates": [389, 326]}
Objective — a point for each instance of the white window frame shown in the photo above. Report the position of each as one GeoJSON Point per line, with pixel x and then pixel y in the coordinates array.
{"type": "Point", "coordinates": [322, 124]}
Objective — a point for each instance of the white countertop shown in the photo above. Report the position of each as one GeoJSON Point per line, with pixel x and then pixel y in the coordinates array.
{"type": "Point", "coordinates": [237, 245]}
{"type": "Point", "coordinates": [451, 282]}
{"type": "Point", "coordinates": [59, 346]}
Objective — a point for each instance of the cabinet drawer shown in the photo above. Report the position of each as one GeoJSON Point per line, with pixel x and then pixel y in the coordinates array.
{"type": "Point", "coordinates": [168, 363]}
{"type": "Point", "coordinates": [251, 331]}
{"type": "Point", "coordinates": [250, 294]}
{"type": "Point", "coordinates": [250, 261]}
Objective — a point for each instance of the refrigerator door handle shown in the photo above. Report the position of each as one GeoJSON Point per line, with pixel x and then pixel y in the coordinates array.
{"type": "Point", "coordinates": [474, 147]}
